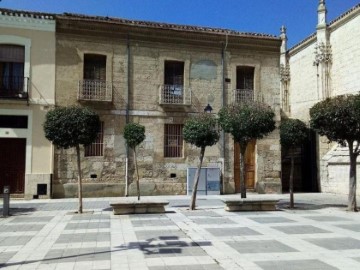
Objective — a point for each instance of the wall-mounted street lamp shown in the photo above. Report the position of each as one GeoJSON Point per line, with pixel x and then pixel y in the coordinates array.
{"type": "Point", "coordinates": [208, 109]}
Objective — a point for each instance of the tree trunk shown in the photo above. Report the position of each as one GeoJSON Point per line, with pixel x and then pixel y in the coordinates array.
{"type": "Point", "coordinates": [196, 179]}
{"type": "Point", "coordinates": [137, 174]}
{"type": "Point", "coordinates": [352, 180]}
{"type": "Point", "coordinates": [242, 170]}
{"type": "Point", "coordinates": [80, 210]}
{"type": "Point", "coordinates": [291, 182]}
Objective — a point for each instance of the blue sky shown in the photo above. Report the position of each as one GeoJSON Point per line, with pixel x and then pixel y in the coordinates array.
{"type": "Point", "coordinates": [261, 16]}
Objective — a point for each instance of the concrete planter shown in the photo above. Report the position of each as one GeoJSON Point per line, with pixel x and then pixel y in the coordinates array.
{"type": "Point", "coordinates": [133, 206]}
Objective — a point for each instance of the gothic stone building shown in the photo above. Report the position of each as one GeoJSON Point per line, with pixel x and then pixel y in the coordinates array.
{"type": "Point", "coordinates": [158, 75]}
{"type": "Point", "coordinates": [325, 64]}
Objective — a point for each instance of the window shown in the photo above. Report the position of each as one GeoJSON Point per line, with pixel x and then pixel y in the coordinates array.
{"type": "Point", "coordinates": [12, 59]}
{"type": "Point", "coordinates": [13, 121]}
{"type": "Point", "coordinates": [173, 82]}
{"type": "Point", "coordinates": [173, 143]}
{"type": "Point", "coordinates": [245, 78]}
{"type": "Point", "coordinates": [96, 148]}
{"type": "Point", "coordinates": [93, 86]}
{"type": "Point", "coordinates": [95, 67]}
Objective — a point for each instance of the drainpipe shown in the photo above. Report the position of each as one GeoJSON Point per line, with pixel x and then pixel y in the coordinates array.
{"type": "Point", "coordinates": [222, 135]}
{"type": "Point", "coordinates": [127, 117]}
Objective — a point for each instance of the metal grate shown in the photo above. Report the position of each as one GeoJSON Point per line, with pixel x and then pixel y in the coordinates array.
{"type": "Point", "coordinates": [243, 95]}
{"type": "Point", "coordinates": [95, 90]}
{"type": "Point", "coordinates": [96, 148]}
{"type": "Point", "coordinates": [173, 140]}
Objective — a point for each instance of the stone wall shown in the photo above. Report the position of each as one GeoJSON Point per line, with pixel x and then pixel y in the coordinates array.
{"type": "Point", "coordinates": [202, 75]}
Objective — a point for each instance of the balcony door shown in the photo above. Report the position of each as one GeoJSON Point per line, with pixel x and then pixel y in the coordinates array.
{"type": "Point", "coordinates": [244, 83]}
{"type": "Point", "coordinates": [12, 71]}
{"type": "Point", "coordinates": [94, 83]}
{"type": "Point", "coordinates": [174, 82]}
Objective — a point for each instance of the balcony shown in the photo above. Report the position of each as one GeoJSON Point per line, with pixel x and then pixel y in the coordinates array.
{"type": "Point", "coordinates": [246, 95]}
{"type": "Point", "coordinates": [174, 95]}
{"type": "Point", "coordinates": [14, 87]}
{"type": "Point", "coordinates": [94, 90]}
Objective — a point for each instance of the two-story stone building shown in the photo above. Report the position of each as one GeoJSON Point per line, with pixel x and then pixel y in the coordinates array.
{"type": "Point", "coordinates": [158, 75]}
{"type": "Point", "coordinates": [27, 91]}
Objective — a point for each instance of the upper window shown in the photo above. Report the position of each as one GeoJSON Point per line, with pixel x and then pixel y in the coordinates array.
{"type": "Point", "coordinates": [95, 67]}
{"type": "Point", "coordinates": [173, 91]}
{"type": "Point", "coordinates": [245, 78]}
{"type": "Point", "coordinates": [12, 71]}
{"type": "Point", "coordinates": [97, 147]}
{"type": "Point", "coordinates": [173, 140]}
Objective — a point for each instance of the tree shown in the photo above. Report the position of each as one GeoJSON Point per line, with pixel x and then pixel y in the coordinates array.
{"type": "Point", "coordinates": [68, 127]}
{"type": "Point", "coordinates": [134, 134]}
{"type": "Point", "coordinates": [200, 131]}
{"type": "Point", "coordinates": [292, 133]}
{"type": "Point", "coordinates": [338, 119]}
{"type": "Point", "coordinates": [246, 121]}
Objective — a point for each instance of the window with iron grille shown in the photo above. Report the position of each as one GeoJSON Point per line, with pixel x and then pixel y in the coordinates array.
{"type": "Point", "coordinates": [97, 147]}
{"type": "Point", "coordinates": [95, 67]}
{"type": "Point", "coordinates": [244, 84]}
{"type": "Point", "coordinates": [12, 59]}
{"type": "Point", "coordinates": [173, 140]}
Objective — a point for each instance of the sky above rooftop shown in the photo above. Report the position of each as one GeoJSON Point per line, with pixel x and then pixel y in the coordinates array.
{"type": "Point", "coordinates": [258, 16]}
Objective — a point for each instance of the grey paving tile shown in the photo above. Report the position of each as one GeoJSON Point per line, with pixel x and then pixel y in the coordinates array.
{"type": "Point", "coordinates": [260, 246]}
{"type": "Point", "coordinates": [187, 267]}
{"type": "Point", "coordinates": [21, 228]}
{"type": "Point", "coordinates": [148, 216]}
{"type": "Point", "coordinates": [4, 257]}
{"type": "Point", "coordinates": [23, 219]}
{"type": "Point", "coordinates": [212, 221]}
{"type": "Point", "coordinates": [166, 250]}
{"type": "Point", "coordinates": [87, 225]}
{"type": "Point", "coordinates": [295, 265]}
{"type": "Point", "coordinates": [351, 227]}
{"type": "Point", "coordinates": [83, 237]}
{"type": "Point", "coordinates": [14, 240]}
{"type": "Point", "coordinates": [90, 216]}
{"type": "Point", "coordinates": [200, 213]}
{"type": "Point", "coordinates": [77, 255]}
{"type": "Point", "coordinates": [326, 218]}
{"type": "Point", "coordinates": [265, 220]}
{"type": "Point", "coordinates": [342, 243]}
{"type": "Point", "coordinates": [160, 235]}
{"type": "Point", "coordinates": [238, 231]}
{"type": "Point", "coordinates": [299, 229]}
{"type": "Point", "coordinates": [152, 222]}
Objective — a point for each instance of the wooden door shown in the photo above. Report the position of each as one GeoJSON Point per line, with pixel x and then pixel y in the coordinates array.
{"type": "Point", "coordinates": [249, 166]}
{"type": "Point", "coordinates": [12, 164]}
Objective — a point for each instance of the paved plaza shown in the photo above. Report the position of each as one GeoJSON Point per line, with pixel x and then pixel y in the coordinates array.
{"type": "Point", "coordinates": [47, 234]}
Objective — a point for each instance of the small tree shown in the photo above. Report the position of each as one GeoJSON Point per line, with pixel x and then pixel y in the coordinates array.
{"type": "Point", "coordinates": [292, 133]}
{"type": "Point", "coordinates": [338, 119]}
{"type": "Point", "coordinates": [200, 131]}
{"type": "Point", "coordinates": [246, 121]}
{"type": "Point", "coordinates": [134, 134]}
{"type": "Point", "coordinates": [68, 127]}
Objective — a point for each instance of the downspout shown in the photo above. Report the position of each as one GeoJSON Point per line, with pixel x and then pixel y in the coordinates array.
{"type": "Point", "coordinates": [127, 117]}
{"type": "Point", "coordinates": [222, 135]}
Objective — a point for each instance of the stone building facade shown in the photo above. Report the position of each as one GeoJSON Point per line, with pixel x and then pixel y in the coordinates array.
{"type": "Point", "coordinates": [158, 75]}
{"type": "Point", "coordinates": [27, 91]}
{"type": "Point", "coordinates": [323, 65]}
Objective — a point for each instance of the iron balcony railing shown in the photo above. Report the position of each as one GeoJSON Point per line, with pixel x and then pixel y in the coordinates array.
{"type": "Point", "coordinates": [174, 94]}
{"type": "Point", "coordinates": [95, 90]}
{"type": "Point", "coordinates": [245, 95]}
{"type": "Point", "coordinates": [14, 87]}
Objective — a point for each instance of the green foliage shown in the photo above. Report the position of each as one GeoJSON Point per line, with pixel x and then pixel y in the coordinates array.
{"type": "Point", "coordinates": [68, 127]}
{"type": "Point", "coordinates": [134, 134]}
{"type": "Point", "coordinates": [337, 118]}
{"type": "Point", "coordinates": [201, 130]}
{"type": "Point", "coordinates": [246, 121]}
{"type": "Point", "coordinates": [292, 133]}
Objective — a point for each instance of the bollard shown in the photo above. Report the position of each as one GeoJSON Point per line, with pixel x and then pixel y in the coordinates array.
{"type": "Point", "coordinates": [6, 201]}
